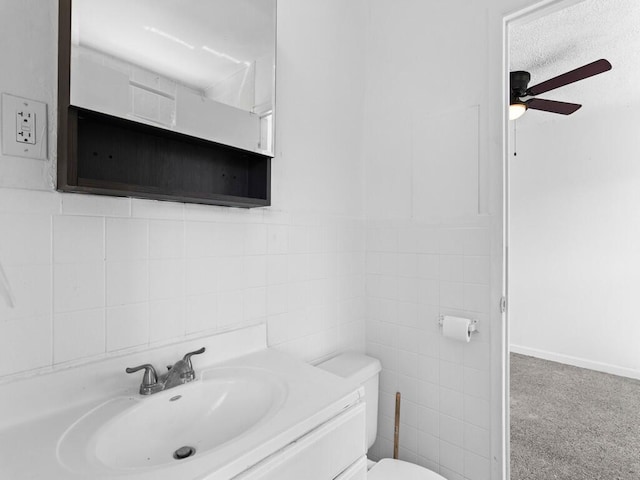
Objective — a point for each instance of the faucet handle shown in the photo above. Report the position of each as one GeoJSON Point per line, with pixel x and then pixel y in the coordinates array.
{"type": "Point", "coordinates": [187, 357]}
{"type": "Point", "coordinates": [150, 378]}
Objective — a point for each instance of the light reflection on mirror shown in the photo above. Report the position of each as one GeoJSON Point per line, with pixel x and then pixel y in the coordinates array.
{"type": "Point", "coordinates": [201, 67]}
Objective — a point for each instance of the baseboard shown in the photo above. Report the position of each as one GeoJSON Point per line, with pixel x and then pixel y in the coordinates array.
{"type": "Point", "coordinates": [576, 361]}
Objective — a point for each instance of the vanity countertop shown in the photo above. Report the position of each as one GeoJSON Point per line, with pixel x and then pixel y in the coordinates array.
{"type": "Point", "coordinates": [31, 448]}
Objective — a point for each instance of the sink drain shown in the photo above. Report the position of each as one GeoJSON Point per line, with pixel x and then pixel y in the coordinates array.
{"type": "Point", "coordinates": [184, 452]}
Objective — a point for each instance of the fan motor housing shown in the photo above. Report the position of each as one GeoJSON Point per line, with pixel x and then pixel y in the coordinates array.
{"type": "Point", "coordinates": [519, 81]}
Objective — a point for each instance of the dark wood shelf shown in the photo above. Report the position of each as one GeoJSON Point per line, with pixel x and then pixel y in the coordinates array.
{"type": "Point", "coordinates": [113, 156]}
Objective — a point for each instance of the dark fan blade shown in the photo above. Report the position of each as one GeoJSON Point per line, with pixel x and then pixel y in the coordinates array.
{"type": "Point", "coordinates": [586, 71]}
{"type": "Point", "coordinates": [552, 106]}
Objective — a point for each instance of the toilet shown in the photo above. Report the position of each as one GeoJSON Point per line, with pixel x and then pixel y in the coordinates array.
{"type": "Point", "coordinates": [364, 370]}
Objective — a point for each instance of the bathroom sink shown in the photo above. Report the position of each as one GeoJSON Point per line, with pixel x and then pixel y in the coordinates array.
{"type": "Point", "coordinates": [176, 425]}
{"type": "Point", "coordinates": [248, 404]}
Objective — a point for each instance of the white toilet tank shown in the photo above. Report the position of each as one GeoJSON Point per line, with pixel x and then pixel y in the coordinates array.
{"type": "Point", "coordinates": [361, 370]}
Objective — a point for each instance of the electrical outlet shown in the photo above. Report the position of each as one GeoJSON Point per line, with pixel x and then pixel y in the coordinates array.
{"type": "Point", "coordinates": [24, 127]}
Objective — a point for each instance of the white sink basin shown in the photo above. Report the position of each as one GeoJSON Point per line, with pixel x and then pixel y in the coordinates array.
{"type": "Point", "coordinates": [248, 403]}
{"type": "Point", "coordinates": [129, 433]}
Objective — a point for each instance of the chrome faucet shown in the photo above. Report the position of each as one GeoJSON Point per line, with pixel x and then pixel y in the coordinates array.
{"type": "Point", "coordinates": [179, 373]}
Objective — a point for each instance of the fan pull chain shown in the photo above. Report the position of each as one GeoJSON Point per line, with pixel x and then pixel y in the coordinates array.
{"type": "Point", "coordinates": [515, 138]}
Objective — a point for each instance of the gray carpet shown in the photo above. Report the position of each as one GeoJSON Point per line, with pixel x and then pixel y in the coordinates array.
{"type": "Point", "coordinates": [569, 423]}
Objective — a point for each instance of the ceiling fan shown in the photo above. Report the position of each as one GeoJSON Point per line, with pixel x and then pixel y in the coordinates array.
{"type": "Point", "coordinates": [519, 82]}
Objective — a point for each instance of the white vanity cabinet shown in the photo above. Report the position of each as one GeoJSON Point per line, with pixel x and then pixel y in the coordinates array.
{"type": "Point", "coordinates": [357, 471]}
{"type": "Point", "coordinates": [334, 450]}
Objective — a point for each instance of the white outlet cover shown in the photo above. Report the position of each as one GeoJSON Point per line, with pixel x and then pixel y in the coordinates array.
{"type": "Point", "coordinates": [11, 105]}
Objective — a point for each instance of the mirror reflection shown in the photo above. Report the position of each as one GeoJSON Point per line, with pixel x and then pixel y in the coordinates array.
{"type": "Point", "coordinates": [205, 68]}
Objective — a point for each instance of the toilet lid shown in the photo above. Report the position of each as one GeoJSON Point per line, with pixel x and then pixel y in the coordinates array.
{"type": "Point", "coordinates": [389, 469]}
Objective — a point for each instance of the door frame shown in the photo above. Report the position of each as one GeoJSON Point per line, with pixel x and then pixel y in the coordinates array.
{"type": "Point", "coordinates": [519, 17]}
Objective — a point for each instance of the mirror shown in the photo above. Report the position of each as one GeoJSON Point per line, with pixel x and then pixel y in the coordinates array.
{"type": "Point", "coordinates": [205, 68]}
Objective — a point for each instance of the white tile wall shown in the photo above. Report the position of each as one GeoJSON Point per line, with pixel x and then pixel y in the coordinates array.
{"type": "Point", "coordinates": [166, 319]}
{"type": "Point", "coordinates": [415, 273]}
{"type": "Point", "coordinates": [78, 335]}
{"type": "Point", "coordinates": [93, 275]}
{"type": "Point", "coordinates": [78, 286]}
{"type": "Point", "coordinates": [127, 326]}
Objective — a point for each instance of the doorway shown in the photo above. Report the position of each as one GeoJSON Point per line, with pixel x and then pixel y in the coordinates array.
{"type": "Point", "coordinates": [573, 228]}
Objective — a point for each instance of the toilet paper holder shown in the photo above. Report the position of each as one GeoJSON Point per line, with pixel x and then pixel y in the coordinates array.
{"type": "Point", "coordinates": [473, 327]}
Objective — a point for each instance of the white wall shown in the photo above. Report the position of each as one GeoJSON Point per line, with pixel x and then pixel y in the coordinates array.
{"type": "Point", "coordinates": [575, 240]}
{"type": "Point", "coordinates": [97, 275]}
{"type": "Point", "coordinates": [433, 147]}
{"type": "Point", "coordinates": [319, 105]}
{"type": "Point", "coordinates": [428, 249]}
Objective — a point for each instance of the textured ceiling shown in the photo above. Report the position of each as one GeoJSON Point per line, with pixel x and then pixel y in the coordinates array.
{"type": "Point", "coordinates": [569, 38]}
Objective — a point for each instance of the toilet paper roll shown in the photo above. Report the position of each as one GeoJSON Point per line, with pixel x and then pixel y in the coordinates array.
{"type": "Point", "coordinates": [456, 328]}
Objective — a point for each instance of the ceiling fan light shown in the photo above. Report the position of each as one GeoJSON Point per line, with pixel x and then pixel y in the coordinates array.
{"type": "Point", "coordinates": [516, 110]}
